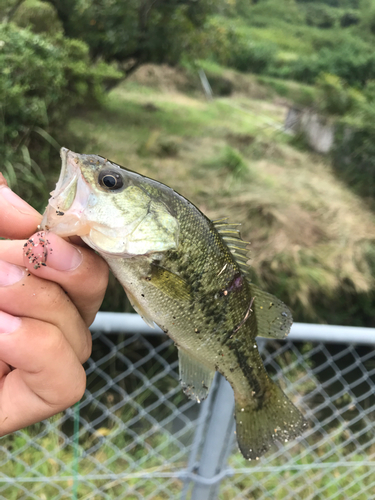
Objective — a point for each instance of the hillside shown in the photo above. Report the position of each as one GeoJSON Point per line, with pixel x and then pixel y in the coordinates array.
{"type": "Point", "coordinates": [310, 235]}
{"type": "Point", "coordinates": [295, 39]}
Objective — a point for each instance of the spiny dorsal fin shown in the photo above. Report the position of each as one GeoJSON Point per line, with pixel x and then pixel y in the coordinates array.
{"type": "Point", "coordinates": [274, 319]}
{"type": "Point", "coordinates": [232, 237]}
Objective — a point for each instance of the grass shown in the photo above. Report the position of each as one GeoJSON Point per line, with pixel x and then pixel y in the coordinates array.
{"type": "Point", "coordinates": [303, 476]}
{"type": "Point", "coordinates": [309, 234]}
{"type": "Point", "coordinates": [101, 460]}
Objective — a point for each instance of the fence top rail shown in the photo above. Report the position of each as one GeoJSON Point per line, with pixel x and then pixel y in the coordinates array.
{"type": "Point", "coordinates": [129, 323]}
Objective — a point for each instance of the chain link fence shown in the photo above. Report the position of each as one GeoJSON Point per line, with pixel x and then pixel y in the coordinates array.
{"type": "Point", "coordinates": [136, 436]}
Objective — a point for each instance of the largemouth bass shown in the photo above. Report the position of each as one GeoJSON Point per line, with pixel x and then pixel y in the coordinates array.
{"type": "Point", "coordinates": [188, 275]}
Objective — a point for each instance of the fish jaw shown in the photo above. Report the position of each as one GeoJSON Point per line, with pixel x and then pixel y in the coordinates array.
{"type": "Point", "coordinates": [64, 214]}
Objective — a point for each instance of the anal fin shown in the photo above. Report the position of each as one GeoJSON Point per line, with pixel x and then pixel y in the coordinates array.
{"type": "Point", "coordinates": [196, 379]}
{"type": "Point", "coordinates": [273, 318]}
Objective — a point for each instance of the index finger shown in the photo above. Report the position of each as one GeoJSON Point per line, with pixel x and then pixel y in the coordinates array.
{"type": "Point", "coordinates": [17, 218]}
{"type": "Point", "coordinates": [81, 273]}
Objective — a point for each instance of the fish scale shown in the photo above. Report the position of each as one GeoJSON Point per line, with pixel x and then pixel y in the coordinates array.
{"type": "Point", "coordinates": [179, 270]}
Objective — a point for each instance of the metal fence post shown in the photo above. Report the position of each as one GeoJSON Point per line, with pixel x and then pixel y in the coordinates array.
{"type": "Point", "coordinates": [215, 434]}
{"type": "Point", "coordinates": [217, 442]}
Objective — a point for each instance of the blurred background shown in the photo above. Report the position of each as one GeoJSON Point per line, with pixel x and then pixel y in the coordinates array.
{"type": "Point", "coordinates": [262, 111]}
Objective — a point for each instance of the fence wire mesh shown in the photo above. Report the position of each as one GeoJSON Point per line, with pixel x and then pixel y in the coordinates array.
{"type": "Point", "coordinates": [138, 432]}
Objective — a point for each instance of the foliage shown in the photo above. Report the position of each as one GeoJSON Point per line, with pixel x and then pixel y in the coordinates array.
{"type": "Point", "coordinates": [298, 93]}
{"type": "Point", "coordinates": [290, 40]}
{"type": "Point", "coordinates": [354, 4]}
{"type": "Point", "coordinates": [350, 60]}
{"type": "Point", "coordinates": [321, 15]}
{"type": "Point", "coordinates": [298, 41]}
{"type": "Point", "coordinates": [368, 16]}
{"type": "Point", "coordinates": [43, 79]}
{"type": "Point", "coordinates": [39, 16]}
{"type": "Point", "coordinates": [228, 42]}
{"type": "Point", "coordinates": [286, 11]}
{"type": "Point", "coordinates": [335, 97]}
{"type": "Point", "coordinates": [354, 154]}
{"type": "Point", "coordinates": [134, 31]}
{"type": "Point", "coordinates": [231, 160]}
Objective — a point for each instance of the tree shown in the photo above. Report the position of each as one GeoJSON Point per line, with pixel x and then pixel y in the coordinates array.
{"type": "Point", "coordinates": [137, 31]}
{"type": "Point", "coordinates": [8, 9]}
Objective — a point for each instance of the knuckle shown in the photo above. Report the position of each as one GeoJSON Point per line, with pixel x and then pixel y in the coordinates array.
{"type": "Point", "coordinates": [71, 390]}
{"type": "Point", "coordinates": [52, 341]}
{"type": "Point", "coordinates": [79, 386]}
{"type": "Point", "coordinates": [86, 348]}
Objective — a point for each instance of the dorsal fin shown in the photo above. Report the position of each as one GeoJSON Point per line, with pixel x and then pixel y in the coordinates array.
{"type": "Point", "coordinates": [274, 319]}
{"type": "Point", "coordinates": [237, 246]}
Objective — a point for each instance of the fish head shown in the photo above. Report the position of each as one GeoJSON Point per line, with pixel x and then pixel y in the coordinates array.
{"type": "Point", "coordinates": [112, 209]}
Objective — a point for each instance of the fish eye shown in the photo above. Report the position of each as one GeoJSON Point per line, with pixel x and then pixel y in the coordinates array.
{"type": "Point", "coordinates": [110, 180]}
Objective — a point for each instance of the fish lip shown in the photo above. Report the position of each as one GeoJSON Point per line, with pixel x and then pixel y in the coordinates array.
{"type": "Point", "coordinates": [58, 216]}
{"type": "Point", "coordinates": [64, 157]}
{"type": "Point", "coordinates": [64, 152]}
{"type": "Point", "coordinates": [64, 171]}
{"type": "Point", "coordinates": [68, 179]}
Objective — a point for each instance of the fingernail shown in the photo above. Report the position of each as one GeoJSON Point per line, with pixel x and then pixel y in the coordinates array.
{"type": "Point", "coordinates": [10, 274]}
{"type": "Point", "coordinates": [17, 202]}
{"type": "Point", "coordinates": [9, 323]}
{"type": "Point", "coordinates": [48, 249]}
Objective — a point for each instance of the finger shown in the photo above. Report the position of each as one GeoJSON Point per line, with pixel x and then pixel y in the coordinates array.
{"type": "Point", "coordinates": [78, 270]}
{"type": "Point", "coordinates": [25, 295]}
{"type": "Point", "coordinates": [17, 218]}
{"type": "Point", "coordinates": [47, 377]}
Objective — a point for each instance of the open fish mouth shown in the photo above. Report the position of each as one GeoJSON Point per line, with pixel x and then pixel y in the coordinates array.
{"type": "Point", "coordinates": [65, 211]}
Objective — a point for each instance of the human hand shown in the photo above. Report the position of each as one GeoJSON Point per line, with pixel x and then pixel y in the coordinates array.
{"type": "Point", "coordinates": [45, 312]}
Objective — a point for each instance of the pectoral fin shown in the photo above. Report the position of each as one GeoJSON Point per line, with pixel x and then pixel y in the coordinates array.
{"type": "Point", "coordinates": [169, 283]}
{"type": "Point", "coordinates": [273, 318]}
{"type": "Point", "coordinates": [196, 379]}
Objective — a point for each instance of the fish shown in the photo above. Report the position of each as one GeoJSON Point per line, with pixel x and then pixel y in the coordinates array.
{"type": "Point", "coordinates": [188, 275]}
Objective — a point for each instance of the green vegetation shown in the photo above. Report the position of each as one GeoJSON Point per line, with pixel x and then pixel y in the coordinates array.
{"type": "Point", "coordinates": [44, 76]}
{"type": "Point", "coordinates": [136, 32]}
{"type": "Point", "coordinates": [324, 46]}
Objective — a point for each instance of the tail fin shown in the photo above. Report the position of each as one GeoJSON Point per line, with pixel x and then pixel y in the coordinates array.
{"type": "Point", "coordinates": [259, 426]}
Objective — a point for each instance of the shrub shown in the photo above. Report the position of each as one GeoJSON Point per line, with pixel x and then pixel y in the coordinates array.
{"type": "Point", "coordinates": [286, 11]}
{"type": "Point", "coordinates": [230, 43]}
{"type": "Point", "coordinates": [248, 55]}
{"type": "Point", "coordinates": [39, 16]}
{"type": "Point", "coordinates": [321, 15]}
{"type": "Point", "coordinates": [354, 156]}
{"type": "Point", "coordinates": [350, 60]}
{"type": "Point", "coordinates": [42, 80]}
{"type": "Point", "coordinates": [349, 18]}
{"type": "Point", "coordinates": [335, 97]}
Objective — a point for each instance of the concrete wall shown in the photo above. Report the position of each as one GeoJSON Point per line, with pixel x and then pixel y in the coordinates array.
{"type": "Point", "coordinates": [318, 130]}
